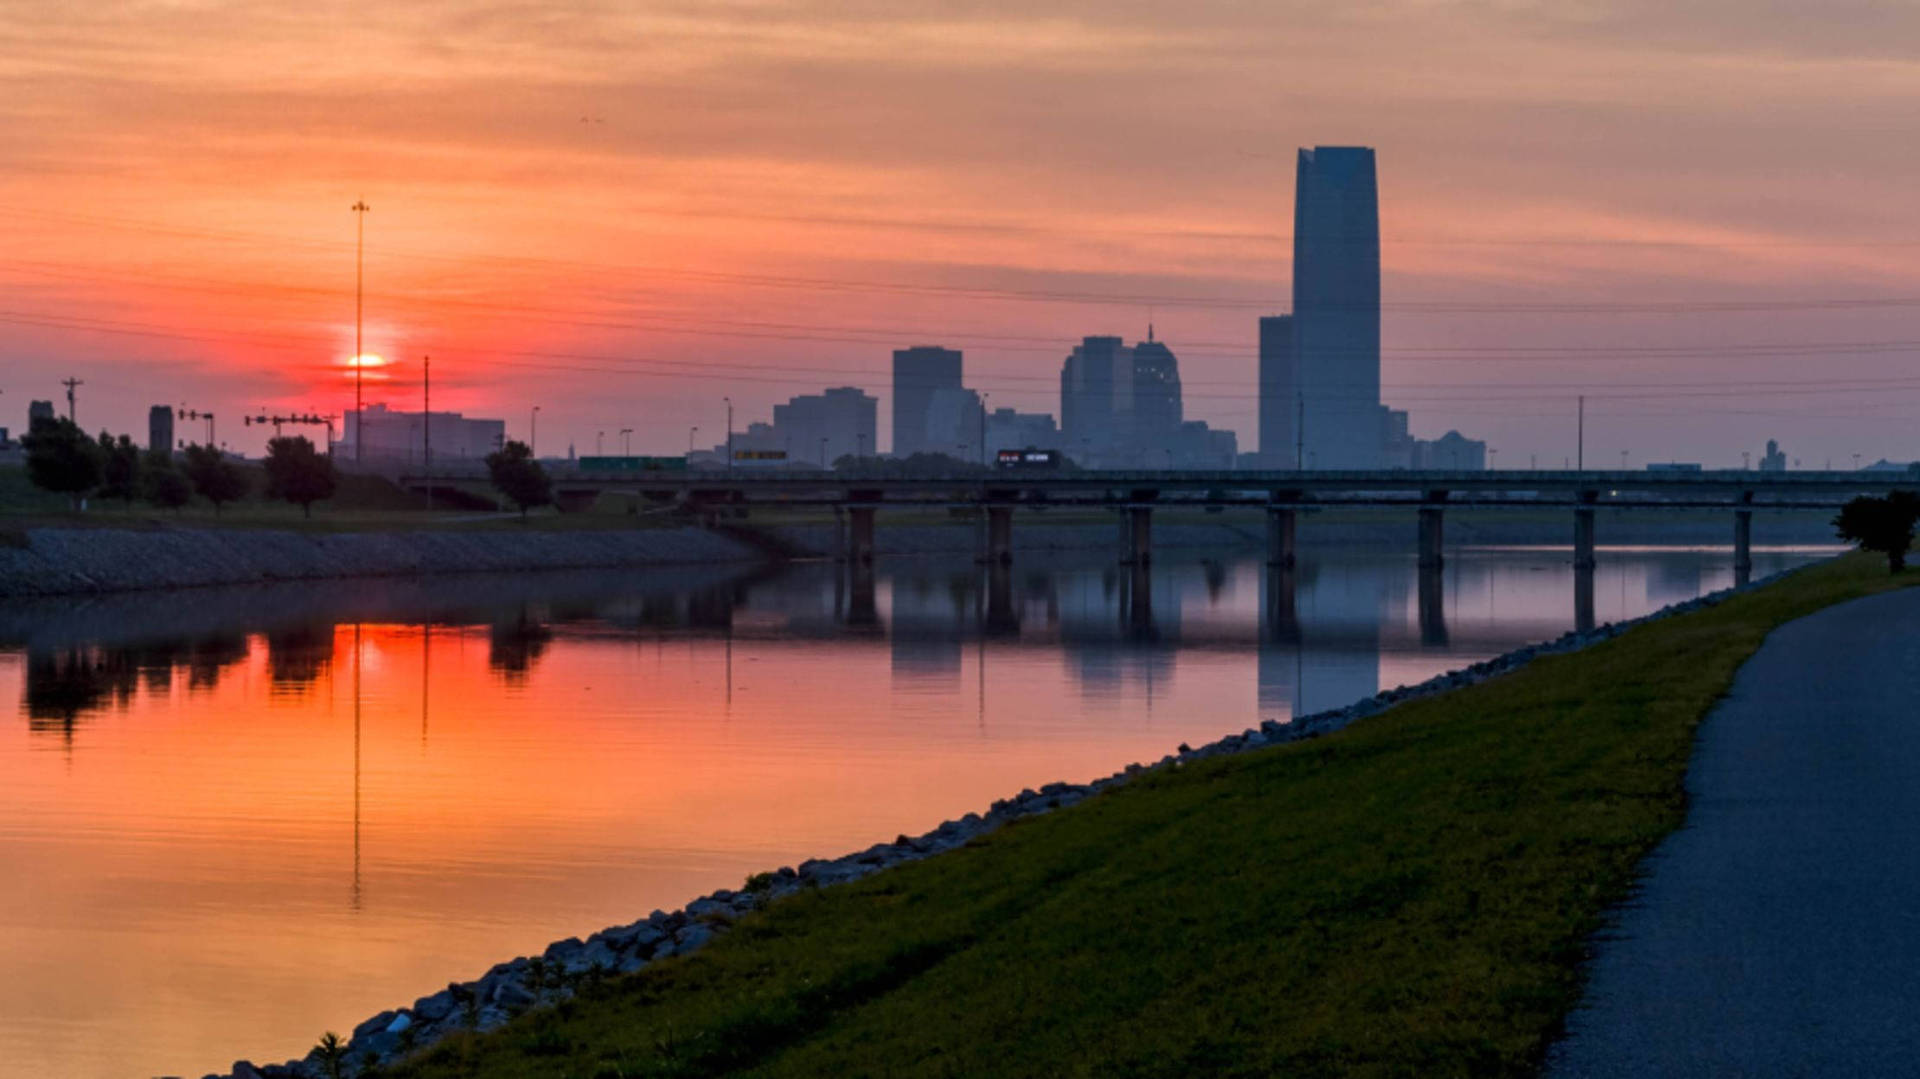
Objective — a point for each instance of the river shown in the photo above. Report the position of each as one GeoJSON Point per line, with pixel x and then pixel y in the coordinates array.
{"type": "Point", "coordinates": [233, 819]}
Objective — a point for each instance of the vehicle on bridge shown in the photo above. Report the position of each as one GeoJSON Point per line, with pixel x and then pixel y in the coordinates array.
{"type": "Point", "coordinates": [632, 464]}
{"type": "Point", "coordinates": [1029, 459]}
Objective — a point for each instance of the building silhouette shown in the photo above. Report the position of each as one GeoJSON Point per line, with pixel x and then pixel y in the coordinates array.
{"type": "Point", "coordinates": [821, 428]}
{"type": "Point", "coordinates": [1335, 350]}
{"type": "Point", "coordinates": [1096, 397]}
{"type": "Point", "coordinates": [160, 429]}
{"type": "Point", "coordinates": [1157, 411]}
{"type": "Point", "coordinates": [403, 436]}
{"type": "Point", "coordinates": [918, 374]}
{"type": "Point", "coordinates": [1279, 402]}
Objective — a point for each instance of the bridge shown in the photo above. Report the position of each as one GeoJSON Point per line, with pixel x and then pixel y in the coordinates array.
{"type": "Point", "coordinates": [1134, 496]}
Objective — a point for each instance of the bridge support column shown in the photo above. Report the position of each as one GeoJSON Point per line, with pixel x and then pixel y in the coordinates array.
{"type": "Point", "coordinates": [1281, 524]}
{"type": "Point", "coordinates": [860, 540]}
{"type": "Point", "coordinates": [1000, 535]}
{"type": "Point", "coordinates": [1139, 535]}
{"type": "Point", "coordinates": [862, 611]}
{"type": "Point", "coordinates": [1432, 536]}
{"type": "Point", "coordinates": [1742, 546]}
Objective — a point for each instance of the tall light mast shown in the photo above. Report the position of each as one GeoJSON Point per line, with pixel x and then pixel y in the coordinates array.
{"type": "Point", "coordinates": [360, 209]}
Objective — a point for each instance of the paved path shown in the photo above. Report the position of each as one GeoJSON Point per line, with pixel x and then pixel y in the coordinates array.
{"type": "Point", "coordinates": [1778, 932]}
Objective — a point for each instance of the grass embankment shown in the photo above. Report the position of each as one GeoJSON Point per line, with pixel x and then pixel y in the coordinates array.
{"type": "Point", "coordinates": [1410, 896]}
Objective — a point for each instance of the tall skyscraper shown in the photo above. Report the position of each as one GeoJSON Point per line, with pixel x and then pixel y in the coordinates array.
{"type": "Point", "coordinates": [917, 373]}
{"type": "Point", "coordinates": [1096, 397]}
{"type": "Point", "coordinates": [1279, 404]}
{"type": "Point", "coordinates": [1336, 306]}
{"type": "Point", "coordinates": [160, 429]}
{"type": "Point", "coordinates": [1157, 408]}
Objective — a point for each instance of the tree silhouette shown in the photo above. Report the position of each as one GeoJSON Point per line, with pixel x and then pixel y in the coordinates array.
{"type": "Point", "coordinates": [217, 479]}
{"type": "Point", "coordinates": [162, 484]}
{"type": "Point", "coordinates": [518, 476]}
{"type": "Point", "coordinates": [61, 458]}
{"type": "Point", "coordinates": [120, 468]}
{"type": "Point", "coordinates": [1881, 524]}
{"type": "Point", "coordinates": [298, 473]}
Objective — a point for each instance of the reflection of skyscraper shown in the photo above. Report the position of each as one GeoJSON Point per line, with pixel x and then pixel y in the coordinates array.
{"type": "Point", "coordinates": [917, 373]}
{"type": "Point", "coordinates": [1330, 656]}
{"type": "Point", "coordinates": [1336, 305]}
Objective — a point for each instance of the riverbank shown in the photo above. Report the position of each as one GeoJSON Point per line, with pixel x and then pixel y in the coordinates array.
{"type": "Point", "coordinates": [100, 557]}
{"type": "Point", "coordinates": [1409, 894]}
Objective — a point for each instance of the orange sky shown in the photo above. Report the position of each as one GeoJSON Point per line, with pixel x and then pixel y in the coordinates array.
{"type": "Point", "coordinates": [623, 212]}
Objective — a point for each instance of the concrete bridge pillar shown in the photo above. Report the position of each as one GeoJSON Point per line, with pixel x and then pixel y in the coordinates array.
{"type": "Point", "coordinates": [1583, 531]}
{"type": "Point", "coordinates": [1281, 524]}
{"type": "Point", "coordinates": [860, 539]}
{"type": "Point", "coordinates": [1000, 535]}
{"type": "Point", "coordinates": [1139, 535]}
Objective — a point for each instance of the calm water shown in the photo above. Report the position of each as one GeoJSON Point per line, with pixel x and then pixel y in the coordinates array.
{"type": "Point", "coordinates": [231, 820]}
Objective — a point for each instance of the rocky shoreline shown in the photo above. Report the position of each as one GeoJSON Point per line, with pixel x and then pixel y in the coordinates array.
{"type": "Point", "coordinates": [528, 982]}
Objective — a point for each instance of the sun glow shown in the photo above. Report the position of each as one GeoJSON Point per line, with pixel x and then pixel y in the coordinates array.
{"type": "Point", "coordinates": [367, 360]}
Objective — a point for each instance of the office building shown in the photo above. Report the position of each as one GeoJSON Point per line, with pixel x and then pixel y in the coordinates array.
{"type": "Point", "coordinates": [1008, 429]}
{"type": "Point", "coordinates": [160, 429]}
{"type": "Point", "coordinates": [918, 374]}
{"type": "Point", "coordinates": [1279, 404]}
{"type": "Point", "coordinates": [402, 437]}
{"type": "Point", "coordinates": [1096, 397]}
{"type": "Point", "coordinates": [821, 428]}
{"type": "Point", "coordinates": [1157, 411]}
{"type": "Point", "coordinates": [1336, 307]}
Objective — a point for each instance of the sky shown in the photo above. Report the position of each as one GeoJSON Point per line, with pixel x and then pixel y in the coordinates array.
{"type": "Point", "coordinates": [1699, 215]}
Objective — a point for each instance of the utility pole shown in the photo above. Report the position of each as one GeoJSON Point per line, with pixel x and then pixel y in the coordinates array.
{"type": "Point", "coordinates": [533, 433]}
{"type": "Point", "coordinates": [691, 431]}
{"type": "Point", "coordinates": [729, 402]}
{"type": "Point", "coordinates": [360, 209]}
{"type": "Point", "coordinates": [71, 383]}
{"type": "Point", "coordinates": [1581, 445]}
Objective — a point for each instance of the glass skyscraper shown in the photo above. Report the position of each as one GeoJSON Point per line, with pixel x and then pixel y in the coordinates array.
{"type": "Point", "coordinates": [1336, 309]}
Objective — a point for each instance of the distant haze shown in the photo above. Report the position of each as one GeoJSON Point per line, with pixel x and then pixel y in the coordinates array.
{"type": "Point", "coordinates": [1703, 218]}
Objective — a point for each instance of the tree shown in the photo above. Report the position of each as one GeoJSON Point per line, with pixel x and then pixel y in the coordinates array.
{"type": "Point", "coordinates": [1881, 524]}
{"type": "Point", "coordinates": [217, 479]}
{"type": "Point", "coordinates": [162, 484]}
{"type": "Point", "coordinates": [298, 473]}
{"type": "Point", "coordinates": [61, 458]}
{"type": "Point", "coordinates": [518, 476]}
{"type": "Point", "coordinates": [120, 468]}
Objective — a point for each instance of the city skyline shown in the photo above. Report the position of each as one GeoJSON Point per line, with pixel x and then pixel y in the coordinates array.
{"type": "Point", "coordinates": [626, 250]}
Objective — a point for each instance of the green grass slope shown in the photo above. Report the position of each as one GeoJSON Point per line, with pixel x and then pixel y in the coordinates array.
{"type": "Point", "coordinates": [1410, 896]}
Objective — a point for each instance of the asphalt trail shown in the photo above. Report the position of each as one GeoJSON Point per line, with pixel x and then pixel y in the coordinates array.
{"type": "Point", "coordinates": [1778, 931]}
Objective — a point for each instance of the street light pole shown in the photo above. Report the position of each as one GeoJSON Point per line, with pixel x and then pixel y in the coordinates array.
{"type": "Point", "coordinates": [626, 441]}
{"type": "Point", "coordinates": [360, 209]}
{"type": "Point", "coordinates": [983, 430]}
{"type": "Point", "coordinates": [729, 402]}
{"type": "Point", "coordinates": [691, 431]}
